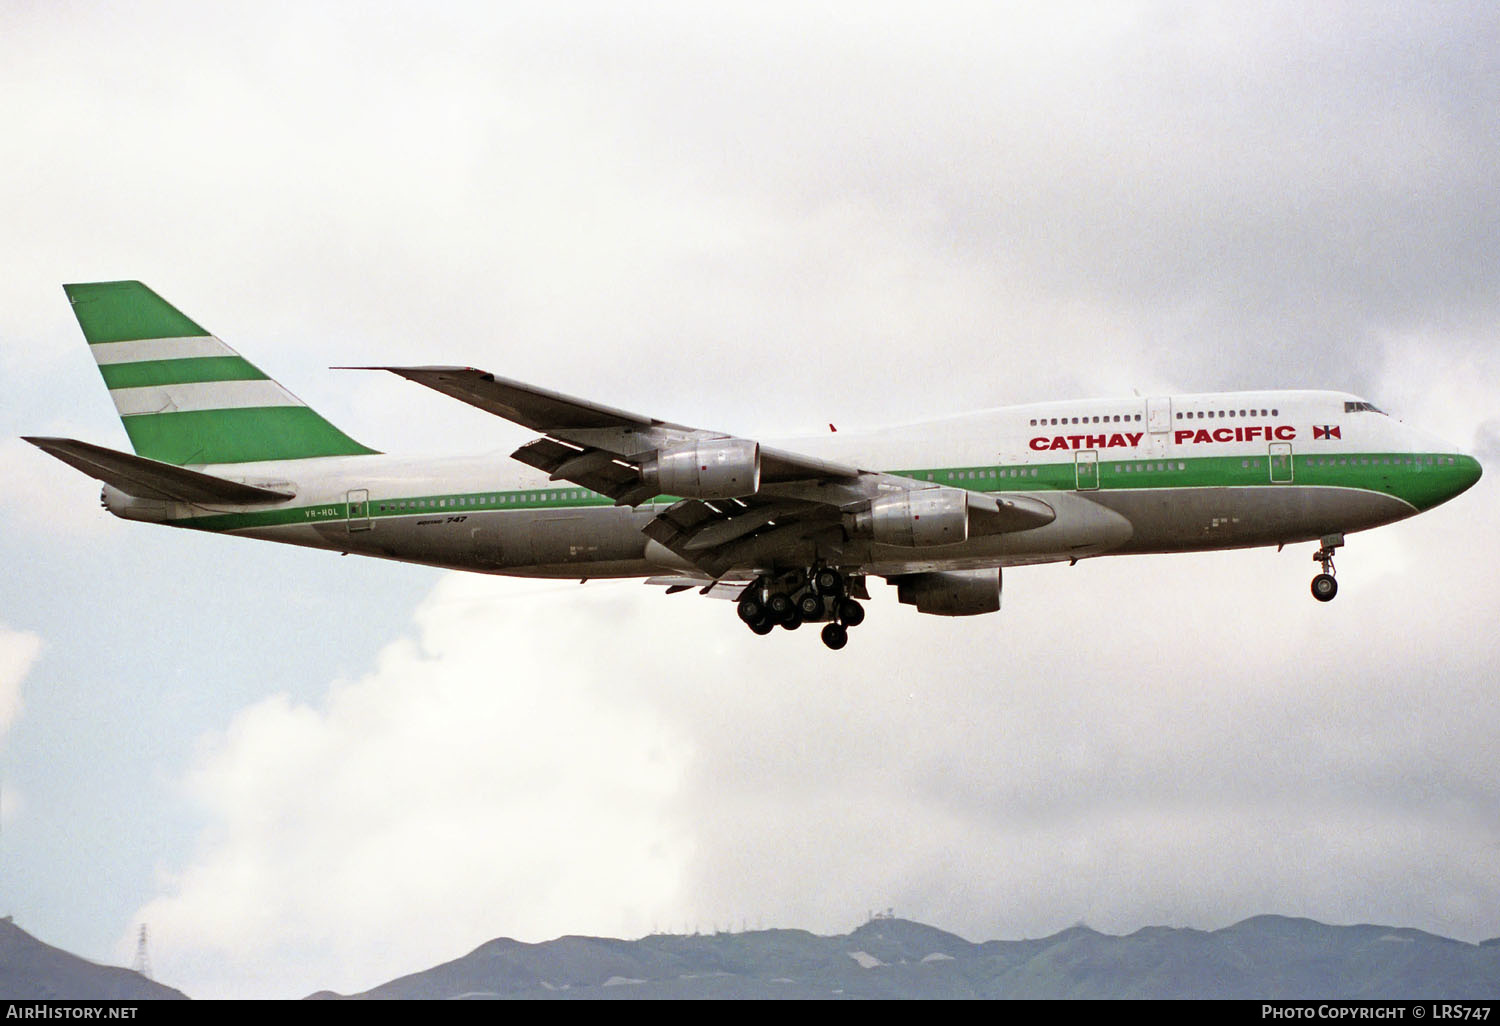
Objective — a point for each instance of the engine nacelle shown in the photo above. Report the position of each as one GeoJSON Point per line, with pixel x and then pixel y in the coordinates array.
{"type": "Point", "coordinates": [715, 468]}
{"type": "Point", "coordinates": [917, 518]}
{"type": "Point", "coordinates": [951, 592]}
{"type": "Point", "coordinates": [129, 507]}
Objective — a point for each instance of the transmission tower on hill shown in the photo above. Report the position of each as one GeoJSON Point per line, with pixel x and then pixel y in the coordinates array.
{"type": "Point", "coordinates": [142, 962]}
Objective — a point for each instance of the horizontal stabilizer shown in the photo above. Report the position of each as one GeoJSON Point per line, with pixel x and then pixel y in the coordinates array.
{"type": "Point", "coordinates": [150, 479]}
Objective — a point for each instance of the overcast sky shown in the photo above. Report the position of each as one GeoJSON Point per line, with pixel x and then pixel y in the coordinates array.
{"type": "Point", "coordinates": [304, 771]}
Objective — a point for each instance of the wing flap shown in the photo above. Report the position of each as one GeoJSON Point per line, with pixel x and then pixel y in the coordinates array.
{"type": "Point", "coordinates": [704, 586]}
{"type": "Point", "coordinates": [150, 479]}
{"type": "Point", "coordinates": [715, 535]}
{"type": "Point", "coordinates": [778, 466]}
{"type": "Point", "coordinates": [594, 469]}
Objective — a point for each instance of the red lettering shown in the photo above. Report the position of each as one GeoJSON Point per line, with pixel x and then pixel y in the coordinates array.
{"type": "Point", "coordinates": [1201, 436]}
{"type": "Point", "coordinates": [1223, 435]}
{"type": "Point", "coordinates": [1059, 443]}
{"type": "Point", "coordinates": [1285, 433]}
{"type": "Point", "coordinates": [1077, 441]}
{"type": "Point", "coordinates": [1135, 439]}
{"type": "Point", "coordinates": [1115, 440]}
{"type": "Point", "coordinates": [1181, 439]}
{"type": "Point", "coordinates": [1038, 444]}
{"type": "Point", "coordinates": [1252, 433]}
{"type": "Point", "coordinates": [1097, 441]}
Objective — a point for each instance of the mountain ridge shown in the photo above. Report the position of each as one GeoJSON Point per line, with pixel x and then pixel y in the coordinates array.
{"type": "Point", "coordinates": [31, 970]}
{"type": "Point", "coordinates": [1266, 957]}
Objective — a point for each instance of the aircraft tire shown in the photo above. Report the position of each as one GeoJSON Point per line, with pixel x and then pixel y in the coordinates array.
{"type": "Point", "coordinates": [851, 613]}
{"type": "Point", "coordinates": [1324, 587]}
{"type": "Point", "coordinates": [763, 627]}
{"type": "Point", "coordinates": [751, 610]}
{"type": "Point", "coordinates": [828, 581]}
{"type": "Point", "coordinates": [835, 636]}
{"type": "Point", "coordinates": [792, 621]}
{"type": "Point", "coordinates": [811, 607]}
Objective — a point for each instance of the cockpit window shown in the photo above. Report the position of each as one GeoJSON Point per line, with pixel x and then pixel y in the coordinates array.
{"type": "Point", "coordinates": [1361, 407]}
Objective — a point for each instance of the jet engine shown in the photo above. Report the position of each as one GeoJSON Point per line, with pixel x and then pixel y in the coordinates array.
{"type": "Point", "coordinates": [715, 468]}
{"type": "Point", "coordinates": [951, 592]}
{"type": "Point", "coordinates": [917, 518]}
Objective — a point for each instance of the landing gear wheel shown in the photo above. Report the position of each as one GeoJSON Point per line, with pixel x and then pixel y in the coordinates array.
{"type": "Point", "coordinates": [1324, 587]}
{"type": "Point", "coordinates": [792, 621]}
{"type": "Point", "coordinates": [780, 606]}
{"type": "Point", "coordinates": [763, 627]}
{"type": "Point", "coordinates": [811, 607]}
{"type": "Point", "coordinates": [828, 581]}
{"type": "Point", "coordinates": [835, 636]}
{"type": "Point", "coordinates": [751, 610]}
{"type": "Point", "coordinates": [851, 613]}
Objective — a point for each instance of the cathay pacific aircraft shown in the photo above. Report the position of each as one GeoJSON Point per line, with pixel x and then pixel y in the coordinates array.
{"type": "Point", "coordinates": [791, 532]}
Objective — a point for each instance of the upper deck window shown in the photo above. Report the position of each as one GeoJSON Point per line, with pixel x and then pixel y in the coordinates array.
{"type": "Point", "coordinates": [1361, 407]}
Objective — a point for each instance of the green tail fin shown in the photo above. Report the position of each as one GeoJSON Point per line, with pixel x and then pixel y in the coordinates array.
{"type": "Point", "coordinates": [183, 395]}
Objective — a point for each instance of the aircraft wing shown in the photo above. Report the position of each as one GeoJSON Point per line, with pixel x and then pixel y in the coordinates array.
{"type": "Point", "coordinates": [593, 435]}
{"type": "Point", "coordinates": [537, 408]}
{"type": "Point", "coordinates": [795, 503]}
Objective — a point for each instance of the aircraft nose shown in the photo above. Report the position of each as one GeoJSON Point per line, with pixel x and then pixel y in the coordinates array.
{"type": "Point", "coordinates": [1445, 474]}
{"type": "Point", "coordinates": [1467, 471]}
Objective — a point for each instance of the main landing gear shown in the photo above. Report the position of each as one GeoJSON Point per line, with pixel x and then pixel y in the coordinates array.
{"type": "Point", "coordinates": [1324, 586]}
{"type": "Point", "coordinates": [802, 596]}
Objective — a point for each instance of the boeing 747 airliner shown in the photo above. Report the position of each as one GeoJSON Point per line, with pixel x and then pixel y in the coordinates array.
{"type": "Point", "coordinates": [790, 532]}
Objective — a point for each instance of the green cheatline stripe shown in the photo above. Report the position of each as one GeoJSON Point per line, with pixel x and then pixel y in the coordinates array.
{"type": "Point", "coordinates": [1422, 484]}
{"type": "Point", "coordinates": [179, 372]}
{"type": "Point", "coordinates": [122, 311]}
{"type": "Point", "coordinates": [1423, 488]}
{"type": "Point", "coordinates": [245, 435]}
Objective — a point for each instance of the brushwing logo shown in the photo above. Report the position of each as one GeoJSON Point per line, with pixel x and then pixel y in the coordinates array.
{"type": "Point", "coordinates": [1326, 431]}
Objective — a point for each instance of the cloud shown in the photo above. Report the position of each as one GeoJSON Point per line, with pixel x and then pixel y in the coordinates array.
{"type": "Point", "coordinates": [1027, 202]}
{"type": "Point", "coordinates": [463, 787]}
{"type": "Point", "coordinates": [18, 653]}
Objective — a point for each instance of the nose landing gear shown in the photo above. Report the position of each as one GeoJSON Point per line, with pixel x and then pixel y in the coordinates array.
{"type": "Point", "coordinates": [805, 596]}
{"type": "Point", "coordinates": [1324, 586]}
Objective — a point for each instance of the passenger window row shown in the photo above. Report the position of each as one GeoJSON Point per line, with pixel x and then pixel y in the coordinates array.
{"type": "Point", "coordinates": [1116, 419]}
{"type": "Point", "coordinates": [1381, 461]}
{"type": "Point", "coordinates": [469, 501]}
{"type": "Point", "coordinates": [994, 473]}
{"type": "Point", "coordinates": [1211, 414]}
{"type": "Point", "coordinates": [1147, 468]}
